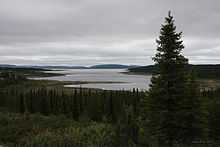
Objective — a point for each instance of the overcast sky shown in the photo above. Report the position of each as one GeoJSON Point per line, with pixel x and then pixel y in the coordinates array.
{"type": "Point", "coordinates": [86, 32]}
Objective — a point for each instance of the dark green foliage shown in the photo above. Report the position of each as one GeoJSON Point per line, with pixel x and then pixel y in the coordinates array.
{"type": "Point", "coordinates": [30, 72]}
{"type": "Point", "coordinates": [107, 107]}
{"type": "Point", "coordinates": [205, 71]}
{"type": "Point", "coordinates": [193, 112]}
{"type": "Point", "coordinates": [127, 127]}
{"type": "Point", "coordinates": [59, 131]}
{"type": "Point", "coordinates": [120, 108]}
{"type": "Point", "coordinates": [171, 98]}
{"type": "Point", "coordinates": [9, 78]}
{"type": "Point", "coordinates": [214, 120]}
{"type": "Point", "coordinates": [73, 103]}
{"type": "Point", "coordinates": [97, 135]}
{"type": "Point", "coordinates": [212, 105]}
{"type": "Point", "coordinates": [15, 127]}
{"type": "Point", "coordinates": [167, 89]}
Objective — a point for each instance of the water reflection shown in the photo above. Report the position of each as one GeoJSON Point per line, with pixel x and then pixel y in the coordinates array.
{"type": "Point", "coordinates": [128, 82]}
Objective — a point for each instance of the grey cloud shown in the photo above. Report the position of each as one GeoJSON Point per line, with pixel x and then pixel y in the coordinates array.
{"type": "Point", "coordinates": [98, 31]}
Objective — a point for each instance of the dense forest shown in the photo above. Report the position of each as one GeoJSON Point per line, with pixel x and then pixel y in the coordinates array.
{"type": "Point", "coordinates": [174, 112]}
{"type": "Point", "coordinates": [205, 71]}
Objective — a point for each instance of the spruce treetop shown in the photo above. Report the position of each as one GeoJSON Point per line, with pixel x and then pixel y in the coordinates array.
{"type": "Point", "coordinates": [169, 45]}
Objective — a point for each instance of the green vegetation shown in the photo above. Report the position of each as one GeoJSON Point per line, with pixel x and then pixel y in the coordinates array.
{"type": "Point", "coordinates": [175, 112]}
{"type": "Point", "coordinates": [202, 71]}
{"type": "Point", "coordinates": [29, 72]}
{"type": "Point", "coordinates": [93, 104]}
{"type": "Point", "coordinates": [36, 130]}
{"type": "Point", "coordinates": [44, 113]}
{"type": "Point", "coordinates": [173, 105]}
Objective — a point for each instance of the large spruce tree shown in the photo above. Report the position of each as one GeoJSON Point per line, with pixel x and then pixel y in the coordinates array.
{"type": "Point", "coordinates": [168, 93]}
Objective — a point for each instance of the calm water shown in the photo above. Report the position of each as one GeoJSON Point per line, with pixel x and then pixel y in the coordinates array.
{"type": "Point", "coordinates": [104, 75]}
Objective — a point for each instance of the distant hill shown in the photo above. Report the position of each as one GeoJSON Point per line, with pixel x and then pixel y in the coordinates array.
{"type": "Point", "coordinates": [101, 66]}
{"type": "Point", "coordinates": [62, 67]}
{"type": "Point", "coordinates": [7, 65]}
{"type": "Point", "coordinates": [203, 71]}
{"type": "Point", "coordinates": [18, 67]}
{"type": "Point", "coordinates": [111, 66]}
{"type": "Point", "coordinates": [150, 69]}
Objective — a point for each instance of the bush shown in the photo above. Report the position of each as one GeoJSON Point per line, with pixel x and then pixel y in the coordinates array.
{"type": "Point", "coordinates": [94, 135]}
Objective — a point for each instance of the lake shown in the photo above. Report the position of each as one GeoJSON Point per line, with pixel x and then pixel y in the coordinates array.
{"type": "Point", "coordinates": [106, 76]}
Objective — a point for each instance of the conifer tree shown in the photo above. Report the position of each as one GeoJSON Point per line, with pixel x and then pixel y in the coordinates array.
{"type": "Point", "coordinates": [22, 105]}
{"type": "Point", "coordinates": [214, 119]}
{"type": "Point", "coordinates": [192, 112]}
{"type": "Point", "coordinates": [168, 87]}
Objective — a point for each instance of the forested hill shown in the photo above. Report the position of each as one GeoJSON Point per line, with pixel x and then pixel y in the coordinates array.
{"type": "Point", "coordinates": [207, 71]}
{"type": "Point", "coordinates": [99, 66]}
{"type": "Point", "coordinates": [110, 66]}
